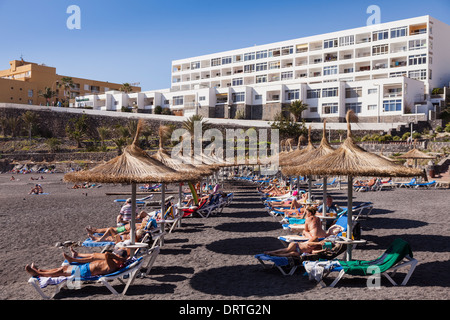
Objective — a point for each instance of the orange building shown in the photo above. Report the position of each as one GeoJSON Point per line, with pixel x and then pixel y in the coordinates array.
{"type": "Point", "coordinates": [24, 81]}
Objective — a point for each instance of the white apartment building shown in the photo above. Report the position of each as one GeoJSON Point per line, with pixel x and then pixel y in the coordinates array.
{"type": "Point", "coordinates": [381, 71]}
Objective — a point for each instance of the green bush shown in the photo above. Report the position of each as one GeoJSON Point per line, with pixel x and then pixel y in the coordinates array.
{"type": "Point", "coordinates": [439, 129]}
{"type": "Point", "coordinates": [166, 111]}
{"type": "Point", "coordinates": [447, 128]}
{"type": "Point", "coordinates": [396, 138]}
{"type": "Point", "coordinates": [158, 110]}
{"type": "Point", "coordinates": [417, 135]}
{"type": "Point", "coordinates": [406, 135]}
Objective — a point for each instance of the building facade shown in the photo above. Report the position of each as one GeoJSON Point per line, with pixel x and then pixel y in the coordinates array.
{"type": "Point", "coordinates": [381, 71]}
{"type": "Point", "coordinates": [23, 82]}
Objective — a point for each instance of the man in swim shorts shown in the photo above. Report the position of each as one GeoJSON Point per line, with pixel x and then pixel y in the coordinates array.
{"type": "Point", "coordinates": [87, 264]}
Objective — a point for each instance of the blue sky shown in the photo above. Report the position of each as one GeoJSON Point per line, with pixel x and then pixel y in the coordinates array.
{"type": "Point", "coordinates": [136, 41]}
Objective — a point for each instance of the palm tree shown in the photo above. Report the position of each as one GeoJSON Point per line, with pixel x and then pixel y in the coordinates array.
{"type": "Point", "coordinates": [67, 84]}
{"type": "Point", "coordinates": [189, 124]}
{"type": "Point", "coordinates": [48, 93]}
{"type": "Point", "coordinates": [30, 118]}
{"type": "Point", "coordinates": [104, 133]}
{"type": "Point", "coordinates": [296, 109]}
{"type": "Point", "coordinates": [126, 88]}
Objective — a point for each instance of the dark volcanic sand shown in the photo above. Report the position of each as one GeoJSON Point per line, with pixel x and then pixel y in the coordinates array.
{"type": "Point", "coordinates": [213, 258]}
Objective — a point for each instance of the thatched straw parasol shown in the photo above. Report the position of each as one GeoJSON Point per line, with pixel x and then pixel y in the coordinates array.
{"type": "Point", "coordinates": [351, 160]}
{"type": "Point", "coordinates": [310, 154]}
{"type": "Point", "coordinates": [294, 157]}
{"type": "Point", "coordinates": [415, 154]}
{"type": "Point", "coordinates": [133, 166]}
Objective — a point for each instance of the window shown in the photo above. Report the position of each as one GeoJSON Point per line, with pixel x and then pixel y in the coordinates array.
{"type": "Point", "coordinates": [292, 94]}
{"type": "Point", "coordinates": [348, 70]}
{"type": "Point", "coordinates": [397, 74]}
{"type": "Point", "coordinates": [249, 56]}
{"type": "Point", "coordinates": [261, 79]}
{"type": "Point", "coordinates": [258, 96]}
{"type": "Point", "coordinates": [287, 50]}
{"type": "Point", "coordinates": [313, 109]}
{"type": "Point", "coordinates": [226, 60]}
{"type": "Point", "coordinates": [249, 68]}
{"type": "Point", "coordinates": [216, 62]}
{"type": "Point", "coordinates": [201, 98]}
{"type": "Point", "coordinates": [380, 35]}
{"type": "Point", "coordinates": [30, 93]}
{"type": "Point", "coordinates": [381, 49]}
{"type": "Point", "coordinates": [178, 100]}
{"type": "Point", "coordinates": [418, 74]}
{"type": "Point", "coordinates": [329, 70]}
{"type": "Point", "coordinates": [195, 65]}
{"type": "Point", "coordinates": [274, 52]}
{"type": "Point", "coordinates": [372, 107]}
{"type": "Point", "coordinates": [329, 108]}
{"type": "Point", "coordinates": [346, 41]}
{"type": "Point", "coordinates": [353, 92]}
{"type": "Point", "coordinates": [274, 65]}
{"type": "Point", "coordinates": [329, 92]}
{"type": "Point", "coordinates": [261, 54]}
{"type": "Point", "coordinates": [372, 91]}
{"type": "Point", "coordinates": [417, 59]}
{"type": "Point", "coordinates": [287, 75]}
{"type": "Point", "coordinates": [238, 97]}
{"type": "Point", "coordinates": [237, 82]}
{"type": "Point", "coordinates": [313, 94]}
{"type": "Point", "coordinates": [398, 32]}
{"type": "Point", "coordinates": [355, 106]}
{"type": "Point", "coordinates": [237, 58]}
{"type": "Point", "coordinates": [261, 66]}
{"type": "Point", "coordinates": [330, 43]}
{"type": "Point", "coordinates": [392, 105]}
{"type": "Point", "coordinates": [417, 44]}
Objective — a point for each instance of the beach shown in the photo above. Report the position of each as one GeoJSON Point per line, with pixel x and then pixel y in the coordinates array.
{"type": "Point", "coordinates": [213, 258]}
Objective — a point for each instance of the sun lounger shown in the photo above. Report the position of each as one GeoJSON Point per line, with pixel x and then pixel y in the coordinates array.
{"type": "Point", "coordinates": [397, 256]}
{"type": "Point", "coordinates": [75, 281]}
{"type": "Point", "coordinates": [424, 184]}
{"type": "Point", "coordinates": [405, 184]}
{"type": "Point", "coordinates": [288, 265]}
{"type": "Point", "coordinates": [332, 183]}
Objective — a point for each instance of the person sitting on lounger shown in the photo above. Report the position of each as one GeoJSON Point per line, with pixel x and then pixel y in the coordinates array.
{"type": "Point", "coordinates": [89, 264]}
{"type": "Point", "coordinates": [124, 215]}
{"type": "Point", "coordinates": [330, 207]}
{"type": "Point", "coordinates": [313, 226]}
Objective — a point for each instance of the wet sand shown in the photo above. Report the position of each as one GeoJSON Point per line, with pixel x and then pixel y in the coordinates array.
{"type": "Point", "coordinates": [213, 258]}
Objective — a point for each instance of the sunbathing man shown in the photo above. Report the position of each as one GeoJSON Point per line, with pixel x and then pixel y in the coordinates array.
{"type": "Point", "coordinates": [93, 264]}
{"type": "Point", "coordinates": [112, 235]}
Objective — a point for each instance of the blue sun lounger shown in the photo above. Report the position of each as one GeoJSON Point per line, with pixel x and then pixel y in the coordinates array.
{"type": "Point", "coordinates": [74, 281]}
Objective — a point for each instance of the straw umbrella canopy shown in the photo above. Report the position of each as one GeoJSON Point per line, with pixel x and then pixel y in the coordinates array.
{"type": "Point", "coordinates": [415, 154]}
{"type": "Point", "coordinates": [310, 154]}
{"type": "Point", "coordinates": [351, 160]}
{"type": "Point", "coordinates": [294, 157]}
{"type": "Point", "coordinates": [133, 166]}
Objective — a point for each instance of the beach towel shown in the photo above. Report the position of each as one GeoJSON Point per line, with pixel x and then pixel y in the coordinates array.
{"type": "Point", "coordinates": [91, 243]}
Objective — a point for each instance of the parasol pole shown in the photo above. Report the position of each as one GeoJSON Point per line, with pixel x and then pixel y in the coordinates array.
{"type": "Point", "coordinates": [324, 201]}
{"type": "Point", "coordinates": [133, 213]}
{"type": "Point", "coordinates": [349, 216]}
{"type": "Point", "coordinates": [163, 209]}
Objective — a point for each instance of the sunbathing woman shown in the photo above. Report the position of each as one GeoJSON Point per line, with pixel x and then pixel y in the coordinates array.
{"type": "Point", "coordinates": [91, 265]}
{"type": "Point", "coordinates": [112, 235]}
{"type": "Point", "coordinates": [296, 249]}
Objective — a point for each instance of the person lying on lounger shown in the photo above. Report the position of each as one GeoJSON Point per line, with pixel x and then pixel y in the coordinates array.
{"type": "Point", "coordinates": [92, 264]}
{"type": "Point", "coordinates": [296, 249]}
{"type": "Point", "coordinates": [112, 235]}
